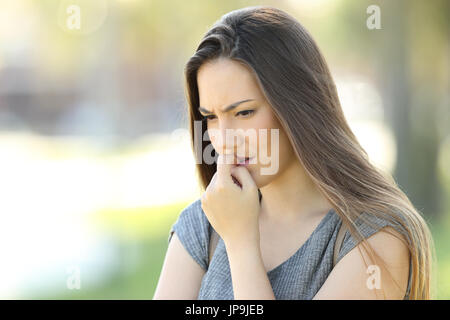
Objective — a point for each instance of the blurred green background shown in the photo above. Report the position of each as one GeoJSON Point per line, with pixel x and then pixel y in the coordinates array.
{"type": "Point", "coordinates": [94, 149]}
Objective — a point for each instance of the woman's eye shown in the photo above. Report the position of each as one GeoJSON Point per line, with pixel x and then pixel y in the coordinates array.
{"type": "Point", "coordinates": [245, 113]}
{"type": "Point", "coordinates": [208, 117]}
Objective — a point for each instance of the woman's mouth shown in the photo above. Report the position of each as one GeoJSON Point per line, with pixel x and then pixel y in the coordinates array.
{"type": "Point", "coordinates": [243, 161]}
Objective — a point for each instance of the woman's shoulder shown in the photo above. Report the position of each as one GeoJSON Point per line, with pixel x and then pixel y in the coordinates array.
{"type": "Point", "coordinates": [384, 232]}
{"type": "Point", "coordinates": [368, 224]}
{"type": "Point", "coordinates": [192, 228]}
{"type": "Point", "coordinates": [191, 217]}
{"type": "Point", "coordinates": [193, 209]}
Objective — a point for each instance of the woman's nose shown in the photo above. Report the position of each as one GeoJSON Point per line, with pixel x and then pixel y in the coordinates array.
{"type": "Point", "coordinates": [228, 140]}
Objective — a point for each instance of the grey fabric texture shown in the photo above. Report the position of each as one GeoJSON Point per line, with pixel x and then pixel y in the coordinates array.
{"type": "Point", "coordinates": [298, 278]}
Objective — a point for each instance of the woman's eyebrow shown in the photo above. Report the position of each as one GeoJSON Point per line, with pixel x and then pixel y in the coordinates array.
{"type": "Point", "coordinates": [230, 107]}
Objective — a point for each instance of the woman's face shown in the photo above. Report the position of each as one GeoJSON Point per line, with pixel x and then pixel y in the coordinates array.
{"type": "Point", "coordinates": [223, 82]}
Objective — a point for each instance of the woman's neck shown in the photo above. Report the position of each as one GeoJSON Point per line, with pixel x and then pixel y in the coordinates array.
{"type": "Point", "coordinates": [292, 196]}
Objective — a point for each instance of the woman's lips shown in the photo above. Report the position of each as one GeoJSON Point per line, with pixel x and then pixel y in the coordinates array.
{"type": "Point", "coordinates": [243, 161]}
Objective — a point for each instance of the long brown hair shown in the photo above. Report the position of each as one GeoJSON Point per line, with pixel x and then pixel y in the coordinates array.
{"type": "Point", "coordinates": [295, 80]}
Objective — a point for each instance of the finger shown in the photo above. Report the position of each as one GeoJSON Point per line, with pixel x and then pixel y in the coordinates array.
{"type": "Point", "coordinates": [224, 164]}
{"type": "Point", "coordinates": [212, 181]}
{"type": "Point", "coordinates": [236, 181]}
{"type": "Point", "coordinates": [243, 176]}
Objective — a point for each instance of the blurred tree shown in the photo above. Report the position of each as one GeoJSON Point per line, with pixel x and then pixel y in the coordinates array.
{"type": "Point", "coordinates": [408, 58]}
{"type": "Point", "coordinates": [414, 80]}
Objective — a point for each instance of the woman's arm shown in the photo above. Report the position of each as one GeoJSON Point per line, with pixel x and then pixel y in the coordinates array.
{"type": "Point", "coordinates": [181, 275]}
{"type": "Point", "coordinates": [233, 211]}
{"type": "Point", "coordinates": [351, 279]}
{"type": "Point", "coordinates": [248, 274]}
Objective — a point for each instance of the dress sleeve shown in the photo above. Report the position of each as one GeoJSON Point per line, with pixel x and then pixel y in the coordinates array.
{"type": "Point", "coordinates": [367, 229]}
{"type": "Point", "coordinates": [192, 228]}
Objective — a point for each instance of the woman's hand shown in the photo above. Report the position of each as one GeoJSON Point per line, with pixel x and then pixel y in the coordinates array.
{"type": "Point", "coordinates": [232, 209]}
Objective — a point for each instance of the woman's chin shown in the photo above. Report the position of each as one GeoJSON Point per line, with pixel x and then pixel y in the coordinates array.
{"type": "Point", "coordinates": [262, 180]}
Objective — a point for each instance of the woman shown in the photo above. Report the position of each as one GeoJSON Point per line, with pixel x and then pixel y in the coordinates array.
{"type": "Point", "coordinates": [257, 69]}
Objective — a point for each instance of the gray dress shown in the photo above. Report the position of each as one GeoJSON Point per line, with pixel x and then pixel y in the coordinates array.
{"type": "Point", "coordinates": [298, 278]}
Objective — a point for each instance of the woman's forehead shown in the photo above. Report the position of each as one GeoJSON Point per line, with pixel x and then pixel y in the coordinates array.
{"type": "Point", "coordinates": [225, 82]}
